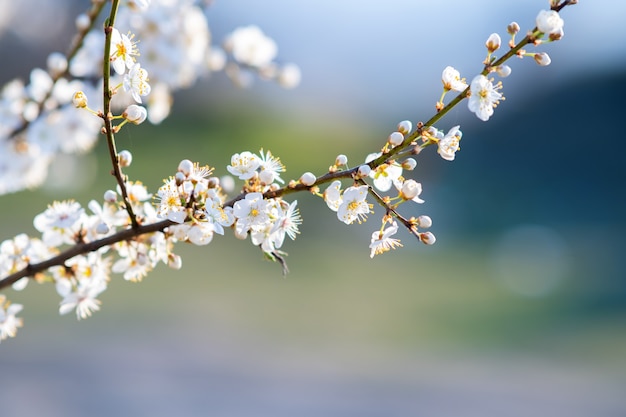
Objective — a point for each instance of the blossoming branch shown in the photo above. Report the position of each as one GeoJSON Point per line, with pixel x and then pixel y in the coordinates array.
{"type": "Point", "coordinates": [131, 230]}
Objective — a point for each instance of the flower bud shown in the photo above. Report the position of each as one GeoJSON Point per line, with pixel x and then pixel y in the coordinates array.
{"type": "Point", "coordinates": [424, 221]}
{"type": "Point", "coordinates": [405, 127]}
{"type": "Point", "coordinates": [512, 28]}
{"type": "Point", "coordinates": [82, 22]}
{"type": "Point", "coordinates": [542, 59]}
{"type": "Point", "coordinates": [503, 70]}
{"type": "Point", "coordinates": [395, 139]}
{"type": "Point", "coordinates": [364, 171]}
{"type": "Point", "coordinates": [135, 114]}
{"type": "Point", "coordinates": [493, 42]}
{"type": "Point", "coordinates": [79, 100]}
{"type": "Point", "coordinates": [185, 166]}
{"type": "Point", "coordinates": [409, 164]}
{"type": "Point", "coordinates": [427, 238]}
{"type": "Point", "coordinates": [110, 196]}
{"type": "Point", "coordinates": [180, 178]}
{"type": "Point", "coordinates": [549, 21]}
{"type": "Point", "coordinates": [341, 160]}
{"type": "Point", "coordinates": [266, 176]}
{"type": "Point", "coordinates": [228, 183]}
{"type": "Point", "coordinates": [410, 189]}
{"type": "Point", "coordinates": [289, 76]}
{"type": "Point", "coordinates": [125, 158]}
{"type": "Point", "coordinates": [57, 63]}
{"type": "Point", "coordinates": [102, 228]}
{"type": "Point", "coordinates": [307, 179]}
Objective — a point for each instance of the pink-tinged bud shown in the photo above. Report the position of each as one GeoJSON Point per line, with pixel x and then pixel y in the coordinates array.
{"type": "Point", "coordinates": [493, 42]}
{"type": "Point", "coordinates": [427, 238]}
{"type": "Point", "coordinates": [135, 114]}
{"type": "Point", "coordinates": [308, 179]}
{"type": "Point", "coordinates": [542, 59]}
{"type": "Point", "coordinates": [395, 138]}
{"type": "Point", "coordinates": [405, 127]}
{"type": "Point", "coordinates": [79, 100]}
{"type": "Point", "coordinates": [185, 166]}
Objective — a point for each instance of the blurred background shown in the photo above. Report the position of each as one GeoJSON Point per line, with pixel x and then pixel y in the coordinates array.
{"type": "Point", "coordinates": [519, 309]}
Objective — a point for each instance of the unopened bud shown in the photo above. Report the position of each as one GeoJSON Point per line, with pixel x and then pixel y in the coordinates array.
{"type": "Point", "coordinates": [125, 158]}
{"type": "Point", "coordinates": [79, 100]}
{"type": "Point", "coordinates": [82, 22]}
{"type": "Point", "coordinates": [409, 164]}
{"type": "Point", "coordinates": [307, 179]}
{"type": "Point", "coordinates": [512, 28]}
{"type": "Point", "coordinates": [110, 196]}
{"type": "Point", "coordinates": [102, 228]}
{"type": "Point", "coordinates": [364, 171]}
{"type": "Point", "coordinates": [174, 261]}
{"type": "Point", "coordinates": [427, 238]}
{"type": "Point", "coordinates": [57, 63]}
{"type": "Point", "coordinates": [410, 189]}
{"type": "Point", "coordinates": [405, 127]}
{"type": "Point", "coordinates": [424, 221]}
{"type": "Point", "coordinates": [395, 139]}
{"type": "Point", "coordinates": [185, 166]}
{"type": "Point", "coordinates": [267, 177]}
{"type": "Point", "coordinates": [542, 59]}
{"type": "Point", "coordinates": [493, 42]}
{"type": "Point", "coordinates": [341, 160]}
{"type": "Point", "coordinates": [503, 70]}
{"type": "Point", "coordinates": [135, 114]}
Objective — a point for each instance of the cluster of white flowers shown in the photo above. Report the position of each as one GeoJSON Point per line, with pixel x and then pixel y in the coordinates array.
{"type": "Point", "coordinates": [484, 95]}
{"type": "Point", "coordinates": [38, 119]}
{"type": "Point", "coordinates": [130, 235]}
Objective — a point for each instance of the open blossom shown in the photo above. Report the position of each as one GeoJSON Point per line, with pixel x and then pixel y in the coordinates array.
{"type": "Point", "coordinates": [250, 212]}
{"type": "Point", "coordinates": [449, 144]}
{"type": "Point", "coordinates": [171, 204]}
{"type": "Point", "coordinates": [385, 175]}
{"type": "Point", "coordinates": [451, 79]}
{"type": "Point", "coordinates": [332, 195]}
{"type": "Point", "coordinates": [123, 51]}
{"type": "Point", "coordinates": [60, 222]}
{"type": "Point", "coordinates": [484, 98]}
{"type": "Point", "coordinates": [382, 241]}
{"type": "Point", "coordinates": [286, 224]}
{"type": "Point", "coordinates": [354, 207]}
{"type": "Point", "coordinates": [136, 81]}
{"type": "Point", "coordinates": [244, 165]}
{"type": "Point", "coordinates": [8, 322]}
{"type": "Point", "coordinates": [270, 167]}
